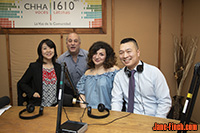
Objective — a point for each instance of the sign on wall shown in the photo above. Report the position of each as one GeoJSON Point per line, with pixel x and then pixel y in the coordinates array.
{"type": "Point", "coordinates": [50, 13]}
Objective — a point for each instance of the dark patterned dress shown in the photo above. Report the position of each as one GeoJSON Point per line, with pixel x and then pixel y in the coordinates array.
{"type": "Point", "coordinates": [49, 81]}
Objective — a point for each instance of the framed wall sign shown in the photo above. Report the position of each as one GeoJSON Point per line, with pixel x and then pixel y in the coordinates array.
{"type": "Point", "coordinates": [52, 16]}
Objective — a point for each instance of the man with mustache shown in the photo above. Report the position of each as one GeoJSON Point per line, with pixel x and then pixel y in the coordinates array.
{"type": "Point", "coordinates": [150, 95]}
{"type": "Point", "coordinates": [75, 59]}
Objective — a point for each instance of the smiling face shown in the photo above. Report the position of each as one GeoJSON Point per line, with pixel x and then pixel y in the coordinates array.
{"type": "Point", "coordinates": [129, 55]}
{"type": "Point", "coordinates": [73, 43]}
{"type": "Point", "coordinates": [47, 52]}
{"type": "Point", "coordinates": [99, 57]}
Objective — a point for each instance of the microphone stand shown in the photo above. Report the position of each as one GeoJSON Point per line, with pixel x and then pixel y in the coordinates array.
{"type": "Point", "coordinates": [60, 98]}
{"type": "Point", "coordinates": [191, 97]}
{"type": "Point", "coordinates": [68, 125]}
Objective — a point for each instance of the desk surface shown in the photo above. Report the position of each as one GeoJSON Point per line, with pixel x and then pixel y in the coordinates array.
{"type": "Point", "coordinates": [10, 121]}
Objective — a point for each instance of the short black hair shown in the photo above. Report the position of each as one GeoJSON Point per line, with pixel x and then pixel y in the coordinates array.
{"type": "Point", "coordinates": [125, 40]}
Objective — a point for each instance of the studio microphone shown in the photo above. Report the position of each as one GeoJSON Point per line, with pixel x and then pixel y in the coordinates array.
{"type": "Point", "coordinates": [5, 100]}
{"type": "Point", "coordinates": [68, 100]}
{"type": "Point", "coordinates": [74, 101]}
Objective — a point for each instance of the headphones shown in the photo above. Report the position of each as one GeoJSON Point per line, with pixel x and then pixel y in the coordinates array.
{"type": "Point", "coordinates": [101, 108]}
{"type": "Point", "coordinates": [30, 108]}
{"type": "Point", "coordinates": [139, 68]}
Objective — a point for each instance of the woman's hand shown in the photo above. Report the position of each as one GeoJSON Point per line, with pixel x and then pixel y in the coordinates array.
{"type": "Point", "coordinates": [82, 99]}
{"type": "Point", "coordinates": [82, 105]}
{"type": "Point", "coordinates": [36, 95]}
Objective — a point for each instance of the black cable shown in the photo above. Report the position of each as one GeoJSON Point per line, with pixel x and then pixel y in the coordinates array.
{"type": "Point", "coordinates": [140, 96]}
{"type": "Point", "coordinates": [66, 114]}
{"type": "Point", "coordinates": [111, 121]}
{"type": "Point", "coordinates": [97, 123]}
{"type": "Point", "coordinates": [141, 104]}
{"type": "Point", "coordinates": [104, 123]}
{"type": "Point", "coordinates": [82, 114]}
{"type": "Point", "coordinates": [68, 117]}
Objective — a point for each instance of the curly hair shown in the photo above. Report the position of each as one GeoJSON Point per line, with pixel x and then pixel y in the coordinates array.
{"type": "Point", "coordinates": [110, 60]}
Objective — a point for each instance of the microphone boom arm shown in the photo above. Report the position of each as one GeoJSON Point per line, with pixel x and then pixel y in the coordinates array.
{"type": "Point", "coordinates": [71, 82]}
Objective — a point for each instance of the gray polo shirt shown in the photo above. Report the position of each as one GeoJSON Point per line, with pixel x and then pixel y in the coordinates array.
{"type": "Point", "coordinates": [76, 70]}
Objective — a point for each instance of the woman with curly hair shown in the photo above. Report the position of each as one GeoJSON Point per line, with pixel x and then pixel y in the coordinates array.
{"type": "Point", "coordinates": [96, 84]}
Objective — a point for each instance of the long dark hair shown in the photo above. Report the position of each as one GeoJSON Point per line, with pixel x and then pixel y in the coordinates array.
{"type": "Point", "coordinates": [110, 60]}
{"type": "Point", "coordinates": [50, 44]}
